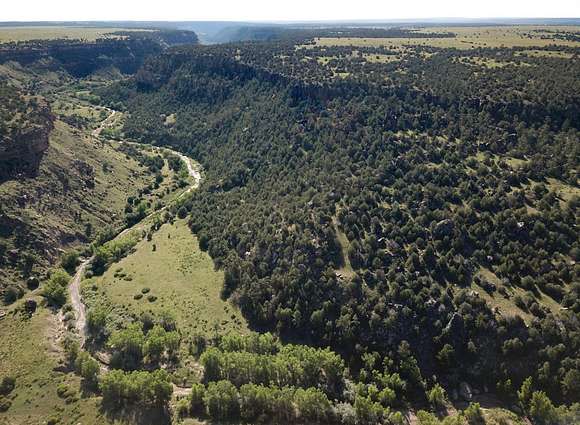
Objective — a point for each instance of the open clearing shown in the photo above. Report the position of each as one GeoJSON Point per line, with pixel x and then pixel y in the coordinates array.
{"type": "Point", "coordinates": [179, 275]}
{"type": "Point", "coordinates": [30, 352]}
{"type": "Point", "coordinates": [8, 34]}
{"type": "Point", "coordinates": [467, 38]}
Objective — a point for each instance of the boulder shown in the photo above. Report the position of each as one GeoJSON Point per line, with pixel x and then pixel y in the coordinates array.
{"type": "Point", "coordinates": [465, 391]}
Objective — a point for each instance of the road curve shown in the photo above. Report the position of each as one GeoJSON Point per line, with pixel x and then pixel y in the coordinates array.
{"type": "Point", "coordinates": [74, 286]}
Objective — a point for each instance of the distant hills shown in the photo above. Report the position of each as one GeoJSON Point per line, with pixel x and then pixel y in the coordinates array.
{"type": "Point", "coordinates": [210, 32]}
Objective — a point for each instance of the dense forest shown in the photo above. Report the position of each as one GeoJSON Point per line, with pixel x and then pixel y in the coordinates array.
{"type": "Point", "coordinates": [356, 197]}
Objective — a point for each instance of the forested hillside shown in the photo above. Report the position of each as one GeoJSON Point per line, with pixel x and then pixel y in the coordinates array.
{"type": "Point", "coordinates": [387, 199]}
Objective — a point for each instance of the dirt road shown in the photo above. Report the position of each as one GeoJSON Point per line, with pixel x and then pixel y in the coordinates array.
{"type": "Point", "coordinates": [74, 287]}
{"type": "Point", "coordinates": [107, 122]}
{"type": "Point", "coordinates": [77, 303]}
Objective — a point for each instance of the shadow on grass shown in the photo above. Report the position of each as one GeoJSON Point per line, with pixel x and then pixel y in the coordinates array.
{"type": "Point", "coordinates": [138, 415]}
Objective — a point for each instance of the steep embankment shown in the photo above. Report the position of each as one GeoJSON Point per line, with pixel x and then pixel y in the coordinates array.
{"type": "Point", "coordinates": [25, 125]}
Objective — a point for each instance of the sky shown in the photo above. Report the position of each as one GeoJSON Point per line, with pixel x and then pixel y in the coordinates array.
{"type": "Point", "coordinates": [287, 10]}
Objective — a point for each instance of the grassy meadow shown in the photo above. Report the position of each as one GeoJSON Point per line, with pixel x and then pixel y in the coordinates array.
{"type": "Point", "coordinates": [45, 389]}
{"type": "Point", "coordinates": [181, 278]}
{"type": "Point", "coordinates": [31, 353]}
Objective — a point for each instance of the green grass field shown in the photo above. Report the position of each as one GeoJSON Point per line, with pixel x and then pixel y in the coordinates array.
{"type": "Point", "coordinates": [180, 275]}
{"type": "Point", "coordinates": [507, 306]}
{"type": "Point", "coordinates": [31, 353]}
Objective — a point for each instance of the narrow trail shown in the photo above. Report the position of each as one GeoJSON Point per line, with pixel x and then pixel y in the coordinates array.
{"type": "Point", "coordinates": [107, 122]}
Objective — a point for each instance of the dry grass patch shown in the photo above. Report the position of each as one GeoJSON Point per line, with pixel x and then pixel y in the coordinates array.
{"type": "Point", "coordinates": [467, 38]}
{"type": "Point", "coordinates": [8, 34]}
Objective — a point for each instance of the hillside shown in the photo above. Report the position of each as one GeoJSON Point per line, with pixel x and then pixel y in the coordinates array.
{"type": "Point", "coordinates": [452, 174]}
{"type": "Point", "coordinates": [124, 50]}
{"type": "Point", "coordinates": [50, 156]}
{"type": "Point", "coordinates": [382, 228]}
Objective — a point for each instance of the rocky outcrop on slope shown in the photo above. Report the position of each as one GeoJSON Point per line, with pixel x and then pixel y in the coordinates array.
{"type": "Point", "coordinates": [25, 126]}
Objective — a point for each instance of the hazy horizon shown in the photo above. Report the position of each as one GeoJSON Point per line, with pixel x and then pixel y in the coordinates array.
{"type": "Point", "coordinates": [296, 11]}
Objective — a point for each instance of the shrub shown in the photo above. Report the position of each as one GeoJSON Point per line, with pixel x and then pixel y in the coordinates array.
{"type": "Point", "coordinates": [87, 367]}
{"type": "Point", "coordinates": [13, 293]}
{"type": "Point", "coordinates": [32, 283]}
{"type": "Point", "coordinates": [70, 261]}
{"type": "Point", "coordinates": [7, 385]}
{"type": "Point", "coordinates": [55, 290]}
{"type": "Point", "coordinates": [426, 418]}
{"type": "Point", "coordinates": [542, 410]}
{"type": "Point", "coordinates": [71, 348]}
{"type": "Point", "coordinates": [312, 404]}
{"type": "Point", "coordinates": [196, 399]}
{"type": "Point", "coordinates": [256, 403]}
{"type": "Point", "coordinates": [97, 319]}
{"type": "Point", "coordinates": [54, 293]}
{"type": "Point", "coordinates": [111, 252]}
{"type": "Point", "coordinates": [128, 345]}
{"type": "Point", "coordinates": [67, 393]}
{"type": "Point", "coordinates": [525, 393]}
{"type": "Point", "coordinates": [221, 401]}
{"type": "Point", "coordinates": [141, 387]}
{"type": "Point", "coordinates": [368, 412]}
{"type": "Point", "coordinates": [182, 408]}
{"type": "Point", "coordinates": [436, 397]}
{"type": "Point", "coordinates": [345, 413]}
{"type": "Point", "coordinates": [474, 415]}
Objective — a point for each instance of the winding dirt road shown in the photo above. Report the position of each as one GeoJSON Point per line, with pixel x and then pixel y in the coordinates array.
{"type": "Point", "coordinates": [74, 286]}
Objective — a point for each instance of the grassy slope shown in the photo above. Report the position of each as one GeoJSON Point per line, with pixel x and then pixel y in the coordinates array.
{"type": "Point", "coordinates": [58, 203]}
{"type": "Point", "coordinates": [63, 181]}
{"type": "Point", "coordinates": [180, 275]}
{"type": "Point", "coordinates": [29, 353]}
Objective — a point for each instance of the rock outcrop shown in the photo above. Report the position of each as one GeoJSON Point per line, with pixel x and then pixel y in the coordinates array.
{"type": "Point", "coordinates": [24, 135]}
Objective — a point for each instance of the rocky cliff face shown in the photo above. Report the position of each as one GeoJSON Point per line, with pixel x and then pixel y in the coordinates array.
{"type": "Point", "coordinates": [79, 58]}
{"type": "Point", "coordinates": [25, 126]}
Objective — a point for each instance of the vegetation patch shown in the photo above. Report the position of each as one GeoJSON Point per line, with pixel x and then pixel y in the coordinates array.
{"type": "Point", "coordinates": [179, 277]}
